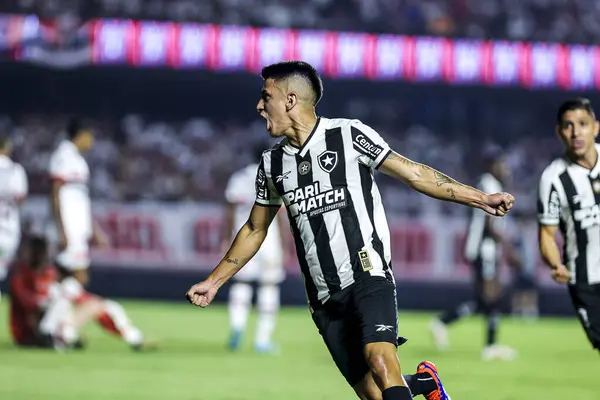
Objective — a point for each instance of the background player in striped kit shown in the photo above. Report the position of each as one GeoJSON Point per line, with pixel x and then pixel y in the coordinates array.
{"type": "Point", "coordinates": [13, 190]}
{"type": "Point", "coordinates": [485, 238]}
{"type": "Point", "coordinates": [323, 172]}
{"type": "Point", "coordinates": [569, 200]}
{"type": "Point", "coordinates": [265, 269]}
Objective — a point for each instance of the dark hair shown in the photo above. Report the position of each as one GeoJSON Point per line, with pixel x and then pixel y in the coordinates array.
{"type": "Point", "coordinates": [492, 155]}
{"type": "Point", "coordinates": [580, 103]}
{"type": "Point", "coordinates": [74, 128]}
{"type": "Point", "coordinates": [287, 69]}
{"type": "Point", "coordinates": [38, 249]}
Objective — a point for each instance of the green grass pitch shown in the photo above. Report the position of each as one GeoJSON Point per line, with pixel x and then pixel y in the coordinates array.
{"type": "Point", "coordinates": [555, 361]}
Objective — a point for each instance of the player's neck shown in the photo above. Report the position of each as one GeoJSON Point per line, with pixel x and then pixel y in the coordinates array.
{"type": "Point", "coordinates": [588, 160]}
{"type": "Point", "coordinates": [301, 128]}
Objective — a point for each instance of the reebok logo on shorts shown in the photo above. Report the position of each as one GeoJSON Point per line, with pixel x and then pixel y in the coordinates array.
{"type": "Point", "coordinates": [383, 328]}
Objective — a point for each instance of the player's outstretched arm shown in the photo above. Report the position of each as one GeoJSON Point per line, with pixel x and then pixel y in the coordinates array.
{"type": "Point", "coordinates": [433, 183]}
{"type": "Point", "coordinates": [245, 245]}
{"type": "Point", "coordinates": [551, 254]}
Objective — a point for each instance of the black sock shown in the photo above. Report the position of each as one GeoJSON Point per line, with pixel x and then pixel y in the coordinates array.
{"type": "Point", "coordinates": [492, 328]}
{"type": "Point", "coordinates": [397, 393]}
{"type": "Point", "coordinates": [450, 316]}
{"type": "Point", "coordinates": [420, 383]}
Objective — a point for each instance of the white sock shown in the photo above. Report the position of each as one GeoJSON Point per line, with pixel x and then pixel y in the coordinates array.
{"type": "Point", "coordinates": [57, 312]}
{"type": "Point", "coordinates": [66, 330]}
{"type": "Point", "coordinates": [60, 308]}
{"type": "Point", "coordinates": [268, 305]}
{"type": "Point", "coordinates": [129, 332]}
{"type": "Point", "coordinates": [240, 301]}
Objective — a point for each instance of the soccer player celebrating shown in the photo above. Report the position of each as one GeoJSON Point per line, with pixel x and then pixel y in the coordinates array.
{"type": "Point", "coordinates": [13, 190]}
{"type": "Point", "coordinates": [569, 200]}
{"type": "Point", "coordinates": [265, 269]}
{"type": "Point", "coordinates": [322, 171]}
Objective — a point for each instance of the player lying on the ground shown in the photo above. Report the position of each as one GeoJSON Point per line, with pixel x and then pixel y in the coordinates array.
{"type": "Point", "coordinates": [569, 200]}
{"type": "Point", "coordinates": [323, 171]}
{"type": "Point", "coordinates": [32, 286]}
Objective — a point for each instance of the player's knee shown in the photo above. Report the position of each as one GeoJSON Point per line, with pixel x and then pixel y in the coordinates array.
{"type": "Point", "coordinates": [382, 360]}
{"type": "Point", "coordinates": [240, 293]}
{"type": "Point", "coordinates": [268, 298]}
{"type": "Point", "coordinates": [82, 276]}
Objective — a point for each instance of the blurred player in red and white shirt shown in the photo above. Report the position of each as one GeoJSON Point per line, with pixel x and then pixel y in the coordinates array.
{"type": "Point", "coordinates": [34, 287]}
{"type": "Point", "coordinates": [30, 281]}
{"type": "Point", "coordinates": [13, 190]}
{"type": "Point", "coordinates": [72, 211]}
{"type": "Point", "coordinates": [266, 268]}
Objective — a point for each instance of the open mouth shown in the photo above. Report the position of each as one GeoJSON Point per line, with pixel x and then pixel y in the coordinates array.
{"type": "Point", "coordinates": [578, 144]}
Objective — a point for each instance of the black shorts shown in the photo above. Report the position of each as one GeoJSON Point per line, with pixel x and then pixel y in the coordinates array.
{"type": "Point", "coordinates": [586, 300]}
{"type": "Point", "coordinates": [485, 270]}
{"type": "Point", "coordinates": [365, 312]}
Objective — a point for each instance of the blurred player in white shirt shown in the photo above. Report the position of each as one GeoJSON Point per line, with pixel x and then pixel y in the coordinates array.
{"type": "Point", "coordinates": [265, 269]}
{"type": "Point", "coordinates": [72, 211]}
{"type": "Point", "coordinates": [13, 190]}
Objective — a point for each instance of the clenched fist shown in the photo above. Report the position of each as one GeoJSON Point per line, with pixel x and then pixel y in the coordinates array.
{"type": "Point", "coordinates": [499, 204]}
{"type": "Point", "coordinates": [202, 294]}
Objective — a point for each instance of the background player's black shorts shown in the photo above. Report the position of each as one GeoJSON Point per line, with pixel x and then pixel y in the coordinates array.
{"type": "Point", "coordinates": [586, 300]}
{"type": "Point", "coordinates": [365, 312]}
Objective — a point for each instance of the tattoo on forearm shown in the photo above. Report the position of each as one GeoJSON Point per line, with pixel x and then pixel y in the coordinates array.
{"type": "Point", "coordinates": [451, 192]}
{"type": "Point", "coordinates": [232, 261]}
{"type": "Point", "coordinates": [394, 156]}
{"type": "Point", "coordinates": [441, 179]}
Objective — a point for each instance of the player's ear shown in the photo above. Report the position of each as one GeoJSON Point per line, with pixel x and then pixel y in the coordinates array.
{"type": "Point", "coordinates": [291, 101]}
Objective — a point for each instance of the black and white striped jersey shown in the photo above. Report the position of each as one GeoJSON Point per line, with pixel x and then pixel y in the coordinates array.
{"type": "Point", "coordinates": [333, 204]}
{"type": "Point", "coordinates": [569, 197]}
{"type": "Point", "coordinates": [480, 245]}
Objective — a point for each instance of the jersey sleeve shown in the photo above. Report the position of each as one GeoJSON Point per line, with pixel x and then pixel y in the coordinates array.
{"type": "Point", "coordinates": [20, 185]}
{"type": "Point", "coordinates": [266, 195]}
{"type": "Point", "coordinates": [231, 190]}
{"type": "Point", "coordinates": [59, 167]}
{"type": "Point", "coordinates": [548, 202]}
{"type": "Point", "coordinates": [371, 147]}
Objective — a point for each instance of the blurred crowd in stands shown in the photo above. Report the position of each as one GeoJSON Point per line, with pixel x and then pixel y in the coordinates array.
{"type": "Point", "coordinates": [574, 21]}
{"type": "Point", "coordinates": [140, 158]}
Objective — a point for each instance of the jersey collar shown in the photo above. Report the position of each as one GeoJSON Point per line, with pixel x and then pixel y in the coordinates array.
{"type": "Point", "coordinates": [70, 146]}
{"type": "Point", "coordinates": [317, 131]}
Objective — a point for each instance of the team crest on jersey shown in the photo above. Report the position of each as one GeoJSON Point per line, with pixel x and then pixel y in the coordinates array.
{"type": "Point", "coordinates": [304, 168]}
{"type": "Point", "coordinates": [328, 160]}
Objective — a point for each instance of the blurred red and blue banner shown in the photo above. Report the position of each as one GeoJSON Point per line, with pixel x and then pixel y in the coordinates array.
{"type": "Point", "coordinates": [340, 55]}
{"type": "Point", "coordinates": [187, 237]}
